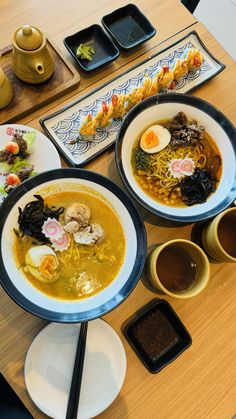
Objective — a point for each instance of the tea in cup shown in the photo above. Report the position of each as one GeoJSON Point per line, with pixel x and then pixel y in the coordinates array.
{"type": "Point", "coordinates": [219, 236]}
{"type": "Point", "coordinates": [179, 268]}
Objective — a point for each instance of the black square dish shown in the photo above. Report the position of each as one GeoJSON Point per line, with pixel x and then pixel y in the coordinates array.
{"type": "Point", "coordinates": [104, 49]}
{"type": "Point", "coordinates": [157, 335]}
{"type": "Point", "coordinates": [128, 26]}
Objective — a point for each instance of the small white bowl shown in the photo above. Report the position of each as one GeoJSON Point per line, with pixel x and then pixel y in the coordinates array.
{"type": "Point", "coordinates": [217, 125]}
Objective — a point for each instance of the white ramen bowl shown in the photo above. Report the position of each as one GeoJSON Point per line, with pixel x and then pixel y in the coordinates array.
{"type": "Point", "coordinates": [217, 125]}
{"type": "Point", "coordinates": [42, 305]}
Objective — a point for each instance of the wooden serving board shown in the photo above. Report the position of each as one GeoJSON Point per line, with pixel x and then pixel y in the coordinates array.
{"type": "Point", "coordinates": [28, 97]}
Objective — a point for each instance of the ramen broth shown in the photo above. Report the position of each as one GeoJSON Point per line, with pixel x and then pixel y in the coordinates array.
{"type": "Point", "coordinates": [83, 270]}
{"type": "Point", "coordinates": [205, 155]}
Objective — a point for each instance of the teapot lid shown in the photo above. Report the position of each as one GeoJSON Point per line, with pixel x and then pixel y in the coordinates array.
{"type": "Point", "coordinates": [29, 38]}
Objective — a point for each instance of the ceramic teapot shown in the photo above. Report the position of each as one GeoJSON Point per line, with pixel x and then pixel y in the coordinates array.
{"type": "Point", "coordinates": [31, 60]}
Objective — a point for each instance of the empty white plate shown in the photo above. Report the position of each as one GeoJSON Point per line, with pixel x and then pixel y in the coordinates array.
{"type": "Point", "coordinates": [49, 365]}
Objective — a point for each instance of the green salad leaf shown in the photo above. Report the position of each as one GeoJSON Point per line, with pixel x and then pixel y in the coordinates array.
{"type": "Point", "coordinates": [29, 137]}
{"type": "Point", "coordinates": [17, 165]}
{"type": "Point", "coordinates": [2, 191]}
{"type": "Point", "coordinates": [5, 167]}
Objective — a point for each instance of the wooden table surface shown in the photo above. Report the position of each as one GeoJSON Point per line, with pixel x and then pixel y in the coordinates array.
{"type": "Point", "coordinates": [201, 383]}
{"type": "Point", "coordinates": [59, 18]}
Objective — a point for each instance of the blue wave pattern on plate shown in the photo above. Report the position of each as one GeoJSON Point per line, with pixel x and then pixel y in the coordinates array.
{"type": "Point", "coordinates": [68, 129]}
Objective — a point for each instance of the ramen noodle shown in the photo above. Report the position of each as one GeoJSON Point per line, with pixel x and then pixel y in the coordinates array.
{"type": "Point", "coordinates": [182, 170]}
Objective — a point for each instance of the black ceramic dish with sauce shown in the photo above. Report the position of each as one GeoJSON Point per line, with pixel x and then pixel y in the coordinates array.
{"type": "Point", "coordinates": [128, 27]}
{"type": "Point", "coordinates": [105, 49]}
{"type": "Point", "coordinates": [157, 335]}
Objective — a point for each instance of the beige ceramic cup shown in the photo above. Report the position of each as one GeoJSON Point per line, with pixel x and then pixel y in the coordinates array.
{"type": "Point", "coordinates": [210, 238]}
{"type": "Point", "coordinates": [6, 92]}
{"type": "Point", "coordinates": [196, 254]}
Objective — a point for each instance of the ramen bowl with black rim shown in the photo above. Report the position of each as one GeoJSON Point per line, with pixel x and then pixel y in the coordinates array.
{"type": "Point", "coordinates": [166, 106]}
{"type": "Point", "coordinates": [37, 302]}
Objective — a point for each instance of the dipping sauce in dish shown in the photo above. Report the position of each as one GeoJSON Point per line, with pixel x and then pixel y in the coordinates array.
{"type": "Point", "coordinates": [176, 269]}
{"type": "Point", "coordinates": [127, 30]}
{"type": "Point", "coordinates": [157, 335]}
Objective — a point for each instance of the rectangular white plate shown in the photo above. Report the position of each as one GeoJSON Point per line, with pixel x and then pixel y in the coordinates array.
{"type": "Point", "coordinates": [63, 125]}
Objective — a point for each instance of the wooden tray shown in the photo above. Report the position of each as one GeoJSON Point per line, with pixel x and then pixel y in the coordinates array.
{"type": "Point", "coordinates": [27, 98]}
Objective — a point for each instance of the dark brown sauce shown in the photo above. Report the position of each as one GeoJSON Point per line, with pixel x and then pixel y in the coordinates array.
{"type": "Point", "coordinates": [227, 233]}
{"type": "Point", "coordinates": [176, 269]}
{"type": "Point", "coordinates": [127, 30]}
{"type": "Point", "coordinates": [155, 334]}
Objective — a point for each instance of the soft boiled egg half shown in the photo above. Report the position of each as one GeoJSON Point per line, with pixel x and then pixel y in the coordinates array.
{"type": "Point", "coordinates": [42, 263]}
{"type": "Point", "coordinates": [154, 139]}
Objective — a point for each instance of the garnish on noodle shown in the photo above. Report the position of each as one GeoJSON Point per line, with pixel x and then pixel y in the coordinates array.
{"type": "Point", "coordinates": [174, 168]}
{"type": "Point", "coordinates": [33, 216]}
{"type": "Point", "coordinates": [52, 229]}
{"type": "Point", "coordinates": [62, 243]}
{"type": "Point", "coordinates": [181, 167]}
{"type": "Point", "coordinates": [187, 166]}
{"type": "Point", "coordinates": [195, 189]}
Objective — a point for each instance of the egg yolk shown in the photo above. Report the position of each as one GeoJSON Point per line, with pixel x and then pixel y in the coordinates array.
{"type": "Point", "coordinates": [150, 140]}
{"type": "Point", "coordinates": [48, 267]}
